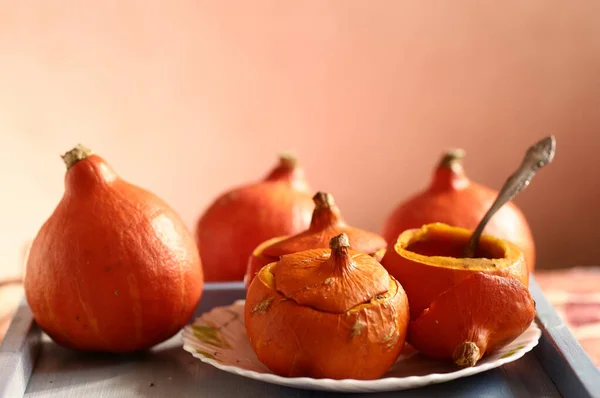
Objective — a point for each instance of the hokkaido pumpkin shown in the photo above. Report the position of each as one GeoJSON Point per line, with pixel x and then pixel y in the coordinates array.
{"type": "Point", "coordinates": [326, 223]}
{"type": "Point", "coordinates": [114, 268]}
{"type": "Point", "coordinates": [461, 308]}
{"type": "Point", "coordinates": [326, 313]}
{"type": "Point", "coordinates": [475, 317]}
{"type": "Point", "coordinates": [453, 199]}
{"type": "Point", "coordinates": [238, 220]}
{"type": "Point", "coordinates": [427, 261]}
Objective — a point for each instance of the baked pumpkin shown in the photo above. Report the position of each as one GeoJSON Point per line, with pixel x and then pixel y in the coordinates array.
{"type": "Point", "coordinates": [326, 313]}
{"type": "Point", "coordinates": [461, 308]}
{"type": "Point", "coordinates": [326, 222]}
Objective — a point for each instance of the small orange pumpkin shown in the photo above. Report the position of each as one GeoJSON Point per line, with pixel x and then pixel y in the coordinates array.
{"type": "Point", "coordinates": [326, 313]}
{"type": "Point", "coordinates": [452, 198]}
{"type": "Point", "coordinates": [243, 217]}
{"type": "Point", "coordinates": [114, 268]}
{"type": "Point", "coordinates": [479, 315]}
{"type": "Point", "coordinates": [326, 222]}
{"type": "Point", "coordinates": [426, 261]}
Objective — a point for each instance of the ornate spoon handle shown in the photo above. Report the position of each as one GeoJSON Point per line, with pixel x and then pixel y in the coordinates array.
{"type": "Point", "coordinates": [536, 157]}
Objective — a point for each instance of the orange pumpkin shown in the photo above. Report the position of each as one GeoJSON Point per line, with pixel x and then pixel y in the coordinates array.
{"type": "Point", "coordinates": [326, 223]}
{"type": "Point", "coordinates": [426, 261]}
{"type": "Point", "coordinates": [326, 313]}
{"type": "Point", "coordinates": [453, 199]}
{"type": "Point", "coordinates": [114, 268]}
{"type": "Point", "coordinates": [477, 316]}
{"type": "Point", "coordinates": [238, 220]}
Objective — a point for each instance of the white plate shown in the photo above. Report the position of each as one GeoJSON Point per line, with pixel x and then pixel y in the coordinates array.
{"type": "Point", "coordinates": [219, 338]}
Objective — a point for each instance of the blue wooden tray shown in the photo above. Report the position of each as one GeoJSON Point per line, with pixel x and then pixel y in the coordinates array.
{"type": "Point", "coordinates": [32, 365]}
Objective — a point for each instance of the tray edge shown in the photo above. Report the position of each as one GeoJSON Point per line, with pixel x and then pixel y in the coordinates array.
{"type": "Point", "coordinates": [580, 377]}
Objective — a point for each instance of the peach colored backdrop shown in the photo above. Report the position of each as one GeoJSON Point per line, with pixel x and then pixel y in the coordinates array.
{"type": "Point", "coordinates": [187, 98]}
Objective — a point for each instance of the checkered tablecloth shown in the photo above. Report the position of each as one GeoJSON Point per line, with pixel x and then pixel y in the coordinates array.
{"type": "Point", "coordinates": [575, 294]}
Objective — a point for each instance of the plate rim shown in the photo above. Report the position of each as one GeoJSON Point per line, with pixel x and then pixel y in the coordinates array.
{"type": "Point", "coordinates": [355, 385]}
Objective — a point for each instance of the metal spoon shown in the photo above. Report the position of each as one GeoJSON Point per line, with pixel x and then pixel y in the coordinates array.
{"type": "Point", "coordinates": [536, 157]}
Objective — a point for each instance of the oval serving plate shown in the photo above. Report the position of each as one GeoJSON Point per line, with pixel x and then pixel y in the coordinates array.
{"type": "Point", "coordinates": [218, 338]}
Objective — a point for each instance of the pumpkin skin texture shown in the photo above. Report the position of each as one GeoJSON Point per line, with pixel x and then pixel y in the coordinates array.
{"type": "Point", "coordinates": [479, 315]}
{"type": "Point", "coordinates": [240, 219]}
{"type": "Point", "coordinates": [326, 222]}
{"type": "Point", "coordinates": [113, 269]}
{"type": "Point", "coordinates": [326, 313]}
{"type": "Point", "coordinates": [453, 199]}
{"type": "Point", "coordinates": [426, 261]}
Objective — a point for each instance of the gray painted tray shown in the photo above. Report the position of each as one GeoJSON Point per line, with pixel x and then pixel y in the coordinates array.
{"type": "Point", "coordinates": [32, 365]}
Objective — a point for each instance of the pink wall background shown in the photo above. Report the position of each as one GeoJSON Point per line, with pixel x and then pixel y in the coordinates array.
{"type": "Point", "coordinates": [187, 98]}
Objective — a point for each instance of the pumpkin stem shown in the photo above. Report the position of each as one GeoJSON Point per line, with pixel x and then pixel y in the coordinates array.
{"type": "Point", "coordinates": [466, 354]}
{"type": "Point", "coordinates": [340, 242]}
{"type": "Point", "coordinates": [450, 173]}
{"type": "Point", "coordinates": [287, 170]}
{"type": "Point", "coordinates": [323, 200]}
{"type": "Point", "coordinates": [339, 246]}
{"type": "Point", "coordinates": [76, 154]}
{"type": "Point", "coordinates": [452, 158]}
{"type": "Point", "coordinates": [287, 160]}
{"type": "Point", "coordinates": [326, 212]}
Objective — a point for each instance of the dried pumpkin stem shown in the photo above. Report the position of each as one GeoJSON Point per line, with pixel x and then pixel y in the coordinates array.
{"type": "Point", "coordinates": [326, 213]}
{"type": "Point", "coordinates": [339, 243]}
{"type": "Point", "coordinates": [466, 354]}
{"type": "Point", "coordinates": [76, 154]}
{"type": "Point", "coordinates": [323, 200]}
{"type": "Point", "coordinates": [288, 160]}
{"type": "Point", "coordinates": [452, 158]}
{"type": "Point", "coordinates": [339, 246]}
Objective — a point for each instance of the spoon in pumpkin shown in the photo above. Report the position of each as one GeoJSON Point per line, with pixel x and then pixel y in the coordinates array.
{"type": "Point", "coordinates": [537, 156]}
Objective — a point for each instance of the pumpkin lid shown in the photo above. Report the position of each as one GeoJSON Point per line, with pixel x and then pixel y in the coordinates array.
{"type": "Point", "coordinates": [333, 280]}
{"type": "Point", "coordinates": [326, 223]}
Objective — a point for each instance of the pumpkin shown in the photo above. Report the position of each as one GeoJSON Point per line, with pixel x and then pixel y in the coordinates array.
{"type": "Point", "coordinates": [238, 220]}
{"type": "Point", "coordinates": [477, 316]}
{"type": "Point", "coordinates": [461, 308]}
{"type": "Point", "coordinates": [114, 268]}
{"type": "Point", "coordinates": [427, 261]}
{"type": "Point", "coordinates": [326, 313]}
{"type": "Point", "coordinates": [326, 222]}
{"type": "Point", "coordinates": [453, 199]}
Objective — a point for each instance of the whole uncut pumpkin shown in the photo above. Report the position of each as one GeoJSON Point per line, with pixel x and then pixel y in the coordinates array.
{"type": "Point", "coordinates": [114, 268]}
{"type": "Point", "coordinates": [242, 218]}
{"type": "Point", "coordinates": [453, 199]}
